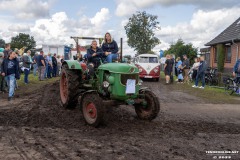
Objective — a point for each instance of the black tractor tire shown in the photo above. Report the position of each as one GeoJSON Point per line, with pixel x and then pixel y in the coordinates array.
{"type": "Point", "coordinates": [152, 109]}
{"type": "Point", "coordinates": [93, 109]}
{"type": "Point", "coordinates": [69, 85]}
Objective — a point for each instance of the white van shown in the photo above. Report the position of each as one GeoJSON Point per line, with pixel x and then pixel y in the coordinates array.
{"type": "Point", "coordinates": [148, 65]}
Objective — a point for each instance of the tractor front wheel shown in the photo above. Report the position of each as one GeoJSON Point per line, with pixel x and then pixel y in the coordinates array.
{"type": "Point", "coordinates": [93, 109]}
{"type": "Point", "coordinates": [150, 109]}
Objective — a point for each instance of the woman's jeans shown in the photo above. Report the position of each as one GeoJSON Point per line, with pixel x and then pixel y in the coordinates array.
{"type": "Point", "coordinates": [46, 71]}
{"type": "Point", "coordinates": [202, 77]}
{"type": "Point", "coordinates": [26, 73]}
{"type": "Point", "coordinates": [111, 57]}
{"type": "Point", "coordinates": [11, 81]}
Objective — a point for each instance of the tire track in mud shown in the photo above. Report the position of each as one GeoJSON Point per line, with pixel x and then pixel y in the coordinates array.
{"type": "Point", "coordinates": [50, 151]}
{"type": "Point", "coordinates": [15, 143]}
{"type": "Point", "coordinates": [32, 118]}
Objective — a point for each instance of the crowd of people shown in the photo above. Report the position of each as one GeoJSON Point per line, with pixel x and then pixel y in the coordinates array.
{"type": "Point", "coordinates": [182, 70]}
{"type": "Point", "coordinates": [197, 71]}
{"type": "Point", "coordinates": [12, 64]}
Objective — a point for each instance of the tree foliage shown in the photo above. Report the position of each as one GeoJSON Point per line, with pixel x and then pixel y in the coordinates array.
{"type": "Point", "coordinates": [127, 58]}
{"type": "Point", "coordinates": [220, 57]}
{"type": "Point", "coordinates": [23, 40]}
{"type": "Point", "coordinates": [2, 43]}
{"type": "Point", "coordinates": [139, 30]}
{"type": "Point", "coordinates": [180, 48]}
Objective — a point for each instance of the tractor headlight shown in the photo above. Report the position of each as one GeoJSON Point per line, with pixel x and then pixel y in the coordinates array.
{"type": "Point", "coordinates": [105, 84]}
{"type": "Point", "coordinates": [110, 79]}
{"type": "Point", "coordinates": [140, 82]}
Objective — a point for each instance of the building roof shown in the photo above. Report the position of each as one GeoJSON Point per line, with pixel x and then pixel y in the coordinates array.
{"type": "Point", "coordinates": [229, 34]}
{"type": "Point", "coordinates": [207, 49]}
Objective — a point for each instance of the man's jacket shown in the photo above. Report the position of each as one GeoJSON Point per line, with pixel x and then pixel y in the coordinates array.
{"type": "Point", "coordinates": [5, 67]}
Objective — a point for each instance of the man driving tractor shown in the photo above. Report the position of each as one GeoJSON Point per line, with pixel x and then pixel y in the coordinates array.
{"type": "Point", "coordinates": [94, 55]}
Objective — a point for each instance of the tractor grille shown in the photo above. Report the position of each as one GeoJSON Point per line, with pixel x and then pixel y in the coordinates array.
{"type": "Point", "coordinates": [125, 77]}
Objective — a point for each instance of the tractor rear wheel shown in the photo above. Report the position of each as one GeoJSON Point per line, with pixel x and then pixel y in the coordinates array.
{"type": "Point", "coordinates": [69, 84]}
{"type": "Point", "coordinates": [93, 109]}
{"type": "Point", "coordinates": [150, 110]}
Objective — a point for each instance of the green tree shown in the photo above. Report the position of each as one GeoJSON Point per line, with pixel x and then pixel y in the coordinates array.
{"type": "Point", "coordinates": [139, 30]}
{"type": "Point", "coordinates": [180, 48]}
{"type": "Point", "coordinates": [2, 43]}
{"type": "Point", "coordinates": [220, 57]}
{"type": "Point", "coordinates": [23, 40]}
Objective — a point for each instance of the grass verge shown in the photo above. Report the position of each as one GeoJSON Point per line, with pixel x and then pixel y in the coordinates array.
{"type": "Point", "coordinates": [34, 84]}
{"type": "Point", "coordinates": [209, 94]}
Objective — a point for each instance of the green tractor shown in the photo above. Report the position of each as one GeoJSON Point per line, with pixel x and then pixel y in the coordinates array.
{"type": "Point", "coordinates": [113, 84]}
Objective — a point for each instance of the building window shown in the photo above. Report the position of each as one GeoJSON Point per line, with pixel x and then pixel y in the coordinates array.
{"type": "Point", "coordinates": [215, 54]}
{"type": "Point", "coordinates": [228, 55]}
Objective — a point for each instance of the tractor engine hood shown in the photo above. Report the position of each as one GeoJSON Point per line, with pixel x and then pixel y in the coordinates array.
{"type": "Point", "coordinates": [119, 68]}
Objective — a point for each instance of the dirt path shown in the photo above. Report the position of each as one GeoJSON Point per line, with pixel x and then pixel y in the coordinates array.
{"type": "Point", "coordinates": [36, 127]}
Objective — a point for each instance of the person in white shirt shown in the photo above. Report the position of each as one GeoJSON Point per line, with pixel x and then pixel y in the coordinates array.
{"type": "Point", "coordinates": [195, 68]}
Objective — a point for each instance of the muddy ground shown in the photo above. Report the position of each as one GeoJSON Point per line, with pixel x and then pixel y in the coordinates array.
{"type": "Point", "coordinates": [34, 126]}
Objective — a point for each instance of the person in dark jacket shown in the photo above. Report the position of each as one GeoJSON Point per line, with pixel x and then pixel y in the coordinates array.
{"type": "Point", "coordinates": [110, 48]}
{"type": "Point", "coordinates": [186, 67]}
{"type": "Point", "coordinates": [35, 66]}
{"type": "Point", "coordinates": [27, 62]}
{"type": "Point", "coordinates": [2, 80]}
{"type": "Point", "coordinates": [94, 55]}
{"type": "Point", "coordinates": [41, 66]}
{"type": "Point", "coordinates": [54, 64]}
{"type": "Point", "coordinates": [168, 68]}
{"type": "Point", "coordinates": [201, 73]}
{"type": "Point", "coordinates": [10, 70]}
{"type": "Point", "coordinates": [236, 71]}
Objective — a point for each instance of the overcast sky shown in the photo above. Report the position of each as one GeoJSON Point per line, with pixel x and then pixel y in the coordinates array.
{"type": "Point", "coordinates": [54, 21]}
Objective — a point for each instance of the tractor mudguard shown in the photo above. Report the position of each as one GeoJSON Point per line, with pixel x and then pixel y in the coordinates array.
{"type": "Point", "coordinates": [81, 96]}
{"type": "Point", "coordinates": [73, 64]}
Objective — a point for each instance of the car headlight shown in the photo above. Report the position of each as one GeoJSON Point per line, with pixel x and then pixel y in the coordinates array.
{"type": "Point", "coordinates": [155, 70]}
{"type": "Point", "coordinates": [140, 69]}
{"type": "Point", "coordinates": [105, 84]}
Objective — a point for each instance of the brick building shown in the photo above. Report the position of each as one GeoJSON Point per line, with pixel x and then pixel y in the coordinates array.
{"type": "Point", "coordinates": [229, 39]}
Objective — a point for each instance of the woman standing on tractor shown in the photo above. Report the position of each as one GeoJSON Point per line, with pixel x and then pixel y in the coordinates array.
{"type": "Point", "coordinates": [110, 48]}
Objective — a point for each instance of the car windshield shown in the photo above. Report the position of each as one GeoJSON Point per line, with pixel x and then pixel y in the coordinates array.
{"type": "Point", "coordinates": [148, 60]}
